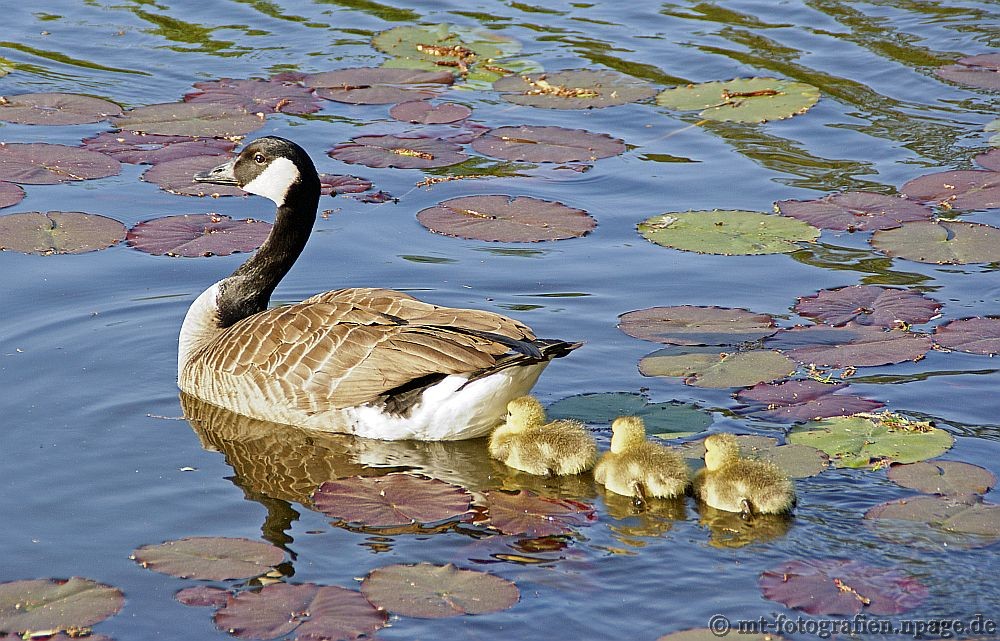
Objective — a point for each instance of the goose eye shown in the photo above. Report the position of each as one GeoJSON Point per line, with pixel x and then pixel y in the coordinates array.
{"type": "Point", "coordinates": [259, 159]}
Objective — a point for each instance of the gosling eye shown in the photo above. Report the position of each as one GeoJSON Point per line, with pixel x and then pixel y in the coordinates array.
{"type": "Point", "coordinates": [259, 158]}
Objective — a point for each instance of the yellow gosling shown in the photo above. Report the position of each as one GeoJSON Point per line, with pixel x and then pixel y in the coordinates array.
{"type": "Point", "coordinates": [735, 484]}
{"type": "Point", "coordinates": [525, 442]}
{"type": "Point", "coordinates": [636, 467]}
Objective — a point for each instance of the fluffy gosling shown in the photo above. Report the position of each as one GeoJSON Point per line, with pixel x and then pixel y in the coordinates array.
{"type": "Point", "coordinates": [525, 442]}
{"type": "Point", "coordinates": [735, 484]}
{"type": "Point", "coordinates": [635, 467]}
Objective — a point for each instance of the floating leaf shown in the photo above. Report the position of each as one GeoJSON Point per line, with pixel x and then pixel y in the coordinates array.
{"type": "Point", "coordinates": [974, 335]}
{"type": "Point", "coordinates": [578, 89]}
{"type": "Point", "coordinates": [255, 95]}
{"type": "Point", "coordinates": [313, 612]}
{"type": "Point", "coordinates": [942, 242]}
{"type": "Point", "coordinates": [10, 194]}
{"type": "Point", "coordinates": [982, 71]}
{"type": "Point", "coordinates": [950, 520]}
{"type": "Point", "coordinates": [423, 112]}
{"type": "Point", "coordinates": [961, 189]}
{"type": "Point", "coordinates": [793, 401]}
{"type": "Point", "coordinates": [943, 477]}
{"type": "Point", "coordinates": [447, 46]}
{"type": "Point", "coordinates": [797, 461]}
{"type": "Point", "coordinates": [991, 159]}
{"type": "Point", "coordinates": [868, 305]}
{"type": "Point", "coordinates": [189, 119]}
{"type": "Point", "coordinates": [177, 177]}
{"type": "Point", "coordinates": [743, 99]}
{"type": "Point", "coordinates": [377, 85]}
{"type": "Point", "coordinates": [193, 235]}
{"type": "Point", "coordinates": [993, 125]}
{"type": "Point", "coordinates": [854, 211]}
{"type": "Point", "coordinates": [58, 232]}
{"type": "Point", "coordinates": [55, 109]}
{"type": "Point", "coordinates": [333, 184]}
{"type": "Point", "coordinates": [403, 153]}
{"type": "Point", "coordinates": [40, 163]}
{"type": "Point", "coordinates": [728, 232]}
{"type": "Point", "coordinates": [508, 219]}
{"type": "Point", "coordinates": [667, 420]}
{"type": "Point", "coordinates": [203, 596]}
{"type": "Point", "coordinates": [531, 515]}
{"type": "Point", "coordinates": [147, 149]}
{"type": "Point", "coordinates": [547, 144]}
{"type": "Point", "coordinates": [214, 558]}
{"type": "Point", "coordinates": [712, 369]}
{"type": "Point", "coordinates": [851, 345]}
{"type": "Point", "coordinates": [392, 500]}
{"type": "Point", "coordinates": [430, 591]}
{"type": "Point", "coordinates": [841, 586]}
{"type": "Point", "coordinates": [55, 605]}
{"type": "Point", "coordinates": [693, 325]}
{"type": "Point", "coordinates": [856, 441]}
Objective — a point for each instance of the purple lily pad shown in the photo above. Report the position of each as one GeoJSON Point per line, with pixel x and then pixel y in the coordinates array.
{"type": "Point", "coordinates": [333, 184]}
{"type": "Point", "coordinates": [55, 109]}
{"type": "Point", "coordinates": [177, 177]}
{"type": "Point", "coordinates": [430, 591]}
{"type": "Point", "coordinates": [203, 596]}
{"type": "Point", "coordinates": [214, 558]}
{"type": "Point", "coordinates": [193, 235]}
{"type": "Point", "coordinates": [531, 515]}
{"type": "Point", "coordinates": [980, 335]}
{"type": "Point", "coordinates": [402, 153]}
{"type": "Point", "coordinates": [508, 219]}
{"type": "Point", "coordinates": [960, 189]}
{"type": "Point", "coordinates": [851, 345]}
{"type": "Point", "coordinates": [547, 144]}
{"type": "Point", "coordinates": [189, 119]}
{"type": "Point", "coordinates": [58, 232]}
{"type": "Point", "coordinates": [990, 160]}
{"type": "Point", "coordinates": [10, 194]}
{"type": "Point", "coordinates": [40, 163]}
{"type": "Point", "coordinates": [981, 71]}
{"type": "Point", "coordinates": [313, 612]}
{"type": "Point", "coordinates": [55, 604]}
{"type": "Point", "coordinates": [841, 586]}
{"type": "Point", "coordinates": [256, 95]}
{"type": "Point", "coordinates": [423, 112]}
{"type": "Point", "coordinates": [393, 500]}
{"type": "Point", "coordinates": [854, 211]}
{"type": "Point", "coordinates": [378, 198]}
{"type": "Point", "coordinates": [961, 521]}
{"type": "Point", "coordinates": [694, 325]}
{"type": "Point", "coordinates": [576, 89]}
{"type": "Point", "coordinates": [377, 85]}
{"type": "Point", "coordinates": [941, 242]}
{"type": "Point", "coordinates": [148, 149]}
{"type": "Point", "coordinates": [868, 305]}
{"type": "Point", "coordinates": [793, 401]}
{"type": "Point", "coordinates": [943, 477]}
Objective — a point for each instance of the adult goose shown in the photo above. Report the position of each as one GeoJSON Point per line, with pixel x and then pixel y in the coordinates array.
{"type": "Point", "coordinates": [372, 362]}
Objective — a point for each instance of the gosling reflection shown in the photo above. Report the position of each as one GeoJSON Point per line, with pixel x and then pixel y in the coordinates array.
{"type": "Point", "coordinates": [630, 521]}
{"type": "Point", "coordinates": [734, 530]}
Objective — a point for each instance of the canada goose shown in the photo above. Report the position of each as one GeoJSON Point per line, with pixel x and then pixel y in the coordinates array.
{"type": "Point", "coordinates": [525, 442]}
{"type": "Point", "coordinates": [636, 467]}
{"type": "Point", "coordinates": [734, 484]}
{"type": "Point", "coordinates": [371, 362]}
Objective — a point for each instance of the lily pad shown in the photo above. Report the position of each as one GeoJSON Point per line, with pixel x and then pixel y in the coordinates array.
{"type": "Point", "coordinates": [312, 612]}
{"type": "Point", "coordinates": [693, 325]}
{"type": "Point", "coordinates": [402, 153]}
{"type": "Point", "coordinates": [189, 119]}
{"type": "Point", "coordinates": [55, 109]}
{"type": "Point", "coordinates": [578, 89]}
{"type": "Point", "coordinates": [854, 211]}
{"type": "Point", "coordinates": [728, 232]}
{"type": "Point", "coordinates": [10, 194]}
{"type": "Point", "coordinates": [857, 441]}
{"type": "Point", "coordinates": [982, 71]}
{"type": "Point", "coordinates": [58, 232]}
{"type": "Point", "coordinates": [423, 112]}
{"type": "Point", "coordinates": [974, 335]}
{"type": "Point", "coordinates": [666, 420]}
{"type": "Point", "coordinates": [192, 235]}
{"type": "Point", "coordinates": [942, 242]}
{"type": "Point", "coordinates": [507, 219]}
{"type": "Point", "coordinates": [524, 512]}
{"type": "Point", "coordinates": [797, 461]}
{"type": "Point", "coordinates": [255, 95]}
{"type": "Point", "coordinates": [850, 345]}
{"type": "Point", "coordinates": [333, 184]}
{"type": "Point", "coordinates": [177, 177]}
{"type": "Point", "coordinates": [430, 591]}
{"type": "Point", "coordinates": [547, 144]}
{"type": "Point", "coordinates": [377, 85]}
{"type": "Point", "coordinates": [960, 189]}
{"type": "Point", "coordinates": [991, 159]}
{"type": "Point", "coordinates": [203, 596]}
{"type": "Point", "coordinates": [445, 45]}
{"type": "Point", "coordinates": [55, 605]}
{"type": "Point", "coordinates": [868, 305]}
{"type": "Point", "coordinates": [793, 401]}
{"type": "Point", "coordinates": [712, 369]}
{"type": "Point", "coordinates": [943, 477]}
{"type": "Point", "coordinates": [214, 558]}
{"type": "Point", "coordinates": [39, 163]}
{"type": "Point", "coordinates": [147, 149]}
{"type": "Point", "coordinates": [392, 500]}
{"type": "Point", "coordinates": [961, 521]}
{"type": "Point", "coordinates": [841, 586]}
{"type": "Point", "coordinates": [743, 99]}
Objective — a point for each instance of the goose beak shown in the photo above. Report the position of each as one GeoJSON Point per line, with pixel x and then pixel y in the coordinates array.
{"type": "Point", "coordinates": [221, 175]}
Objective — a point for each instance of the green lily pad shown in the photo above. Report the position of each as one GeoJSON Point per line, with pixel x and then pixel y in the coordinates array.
{"type": "Point", "coordinates": [956, 521]}
{"type": "Point", "coordinates": [694, 325]}
{"type": "Point", "coordinates": [547, 144]}
{"type": "Point", "coordinates": [213, 558]}
{"type": "Point", "coordinates": [728, 232]}
{"type": "Point", "coordinates": [430, 591]}
{"type": "Point", "coordinates": [942, 242]}
{"type": "Point", "coordinates": [58, 232]}
{"type": "Point", "coordinates": [993, 125]}
{"type": "Point", "coordinates": [508, 219]}
{"type": "Point", "coordinates": [446, 45]}
{"type": "Point", "coordinates": [577, 89]}
{"type": "Point", "coordinates": [55, 109]}
{"type": "Point", "coordinates": [943, 477]}
{"type": "Point", "coordinates": [666, 420]}
{"type": "Point", "coordinates": [979, 335]}
{"type": "Point", "coordinates": [189, 119]}
{"type": "Point", "coordinates": [55, 605]}
{"type": "Point", "coordinates": [712, 369]}
{"type": "Point", "coordinates": [10, 194]}
{"type": "Point", "coordinates": [797, 461]}
{"type": "Point", "coordinates": [854, 211]}
{"type": "Point", "coordinates": [743, 99]}
{"type": "Point", "coordinates": [857, 441]}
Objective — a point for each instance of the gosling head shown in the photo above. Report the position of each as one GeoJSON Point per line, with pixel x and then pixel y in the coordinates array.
{"type": "Point", "coordinates": [627, 433]}
{"type": "Point", "coordinates": [720, 449]}
{"type": "Point", "coordinates": [523, 413]}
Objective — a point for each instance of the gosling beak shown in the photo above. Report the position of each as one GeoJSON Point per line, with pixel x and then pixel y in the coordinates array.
{"type": "Point", "coordinates": [221, 175]}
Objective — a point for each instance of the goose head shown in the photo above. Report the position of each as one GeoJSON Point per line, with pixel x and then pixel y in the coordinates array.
{"type": "Point", "coordinates": [523, 413]}
{"type": "Point", "coordinates": [720, 449]}
{"type": "Point", "coordinates": [627, 433]}
{"type": "Point", "coordinates": [272, 167]}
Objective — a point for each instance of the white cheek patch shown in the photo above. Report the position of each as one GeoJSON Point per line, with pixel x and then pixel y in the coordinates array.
{"type": "Point", "coordinates": [274, 181]}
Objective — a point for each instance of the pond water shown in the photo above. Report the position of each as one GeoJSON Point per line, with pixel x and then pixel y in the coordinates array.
{"type": "Point", "coordinates": [97, 459]}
